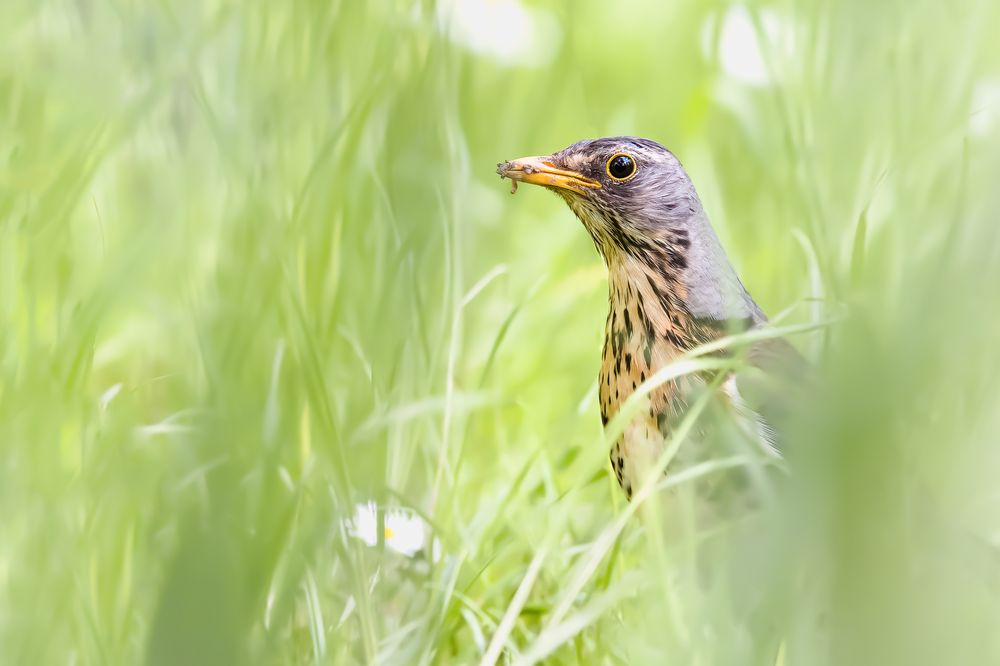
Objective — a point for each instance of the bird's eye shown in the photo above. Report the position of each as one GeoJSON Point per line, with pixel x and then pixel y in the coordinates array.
{"type": "Point", "coordinates": [621, 167]}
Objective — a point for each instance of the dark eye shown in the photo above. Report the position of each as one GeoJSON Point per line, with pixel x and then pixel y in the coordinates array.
{"type": "Point", "coordinates": [621, 166]}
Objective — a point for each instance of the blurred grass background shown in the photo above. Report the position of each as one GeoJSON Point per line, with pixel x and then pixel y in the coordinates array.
{"type": "Point", "coordinates": [256, 272]}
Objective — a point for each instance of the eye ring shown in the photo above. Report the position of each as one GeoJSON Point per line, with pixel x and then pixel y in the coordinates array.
{"type": "Point", "coordinates": [621, 167]}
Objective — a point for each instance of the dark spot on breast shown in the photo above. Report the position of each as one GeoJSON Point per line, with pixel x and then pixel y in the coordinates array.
{"type": "Point", "coordinates": [628, 361]}
{"type": "Point", "coordinates": [617, 343]}
{"type": "Point", "coordinates": [628, 324]}
{"type": "Point", "coordinates": [648, 257]}
{"type": "Point", "coordinates": [661, 422]}
{"type": "Point", "coordinates": [648, 351]}
{"type": "Point", "coordinates": [647, 325]}
{"type": "Point", "coordinates": [662, 296]}
{"type": "Point", "coordinates": [616, 463]}
{"type": "Point", "coordinates": [676, 259]}
{"type": "Point", "coordinates": [674, 339]}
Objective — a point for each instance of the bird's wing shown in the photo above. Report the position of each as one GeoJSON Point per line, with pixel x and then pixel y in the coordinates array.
{"type": "Point", "coordinates": [777, 357]}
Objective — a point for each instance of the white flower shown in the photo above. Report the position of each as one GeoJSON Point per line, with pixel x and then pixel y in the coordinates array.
{"type": "Point", "coordinates": [404, 531]}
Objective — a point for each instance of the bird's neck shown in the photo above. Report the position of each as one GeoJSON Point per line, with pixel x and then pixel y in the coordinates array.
{"type": "Point", "coordinates": [687, 272]}
{"type": "Point", "coordinates": [645, 304]}
{"type": "Point", "coordinates": [649, 323]}
{"type": "Point", "coordinates": [645, 331]}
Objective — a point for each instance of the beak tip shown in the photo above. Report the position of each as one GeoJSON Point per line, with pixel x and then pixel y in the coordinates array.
{"type": "Point", "coordinates": [542, 171]}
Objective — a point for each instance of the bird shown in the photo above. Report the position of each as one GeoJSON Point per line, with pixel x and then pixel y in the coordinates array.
{"type": "Point", "coordinates": [671, 284]}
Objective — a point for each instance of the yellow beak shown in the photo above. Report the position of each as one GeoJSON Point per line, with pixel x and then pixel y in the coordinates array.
{"type": "Point", "coordinates": [540, 170]}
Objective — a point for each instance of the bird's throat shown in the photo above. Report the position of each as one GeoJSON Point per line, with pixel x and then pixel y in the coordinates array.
{"type": "Point", "coordinates": [647, 328]}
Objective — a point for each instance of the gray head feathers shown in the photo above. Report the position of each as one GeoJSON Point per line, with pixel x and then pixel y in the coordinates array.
{"type": "Point", "coordinates": [655, 214]}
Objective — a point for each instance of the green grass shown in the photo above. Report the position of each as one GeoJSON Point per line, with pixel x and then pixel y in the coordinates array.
{"type": "Point", "coordinates": [256, 269]}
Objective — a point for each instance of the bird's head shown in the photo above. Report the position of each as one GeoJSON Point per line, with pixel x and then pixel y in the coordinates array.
{"type": "Point", "coordinates": [643, 212]}
{"type": "Point", "coordinates": [628, 192]}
